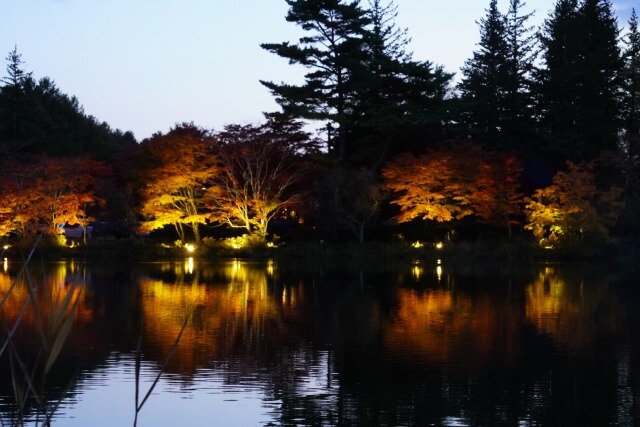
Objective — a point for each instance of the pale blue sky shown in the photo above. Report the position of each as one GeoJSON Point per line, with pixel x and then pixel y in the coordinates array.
{"type": "Point", "coordinates": [144, 65]}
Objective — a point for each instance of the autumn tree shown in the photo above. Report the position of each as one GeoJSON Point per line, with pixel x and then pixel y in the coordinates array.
{"type": "Point", "coordinates": [260, 167]}
{"type": "Point", "coordinates": [452, 183]}
{"type": "Point", "coordinates": [12, 213]}
{"type": "Point", "coordinates": [436, 186]}
{"type": "Point", "coordinates": [496, 199]}
{"type": "Point", "coordinates": [53, 192]}
{"type": "Point", "coordinates": [572, 210]}
{"type": "Point", "coordinates": [64, 190]}
{"type": "Point", "coordinates": [178, 171]}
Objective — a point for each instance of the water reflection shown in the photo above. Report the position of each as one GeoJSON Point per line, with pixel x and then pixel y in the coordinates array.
{"type": "Point", "coordinates": [407, 345]}
{"type": "Point", "coordinates": [234, 311]}
{"type": "Point", "coordinates": [570, 311]}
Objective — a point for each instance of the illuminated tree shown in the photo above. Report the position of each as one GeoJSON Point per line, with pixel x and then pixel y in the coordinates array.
{"type": "Point", "coordinates": [8, 208]}
{"type": "Point", "coordinates": [448, 184]}
{"type": "Point", "coordinates": [572, 210]}
{"type": "Point", "coordinates": [180, 167]}
{"type": "Point", "coordinates": [63, 191]}
{"type": "Point", "coordinates": [438, 185]}
{"type": "Point", "coordinates": [497, 199]}
{"type": "Point", "coordinates": [260, 167]}
{"type": "Point", "coordinates": [48, 194]}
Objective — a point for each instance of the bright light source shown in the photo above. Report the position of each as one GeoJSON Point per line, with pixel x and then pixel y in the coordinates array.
{"type": "Point", "coordinates": [6, 265]}
{"type": "Point", "coordinates": [439, 245]}
{"type": "Point", "coordinates": [5, 247]}
{"type": "Point", "coordinates": [417, 244]}
{"type": "Point", "coordinates": [190, 248]}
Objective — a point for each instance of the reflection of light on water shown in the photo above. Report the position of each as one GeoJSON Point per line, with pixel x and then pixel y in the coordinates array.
{"type": "Point", "coordinates": [417, 271]}
{"type": "Point", "coordinates": [188, 265]}
{"type": "Point", "coordinates": [5, 265]}
{"type": "Point", "coordinates": [270, 267]}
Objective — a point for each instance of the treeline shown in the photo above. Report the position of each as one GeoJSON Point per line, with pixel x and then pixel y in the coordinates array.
{"type": "Point", "coordinates": [540, 137]}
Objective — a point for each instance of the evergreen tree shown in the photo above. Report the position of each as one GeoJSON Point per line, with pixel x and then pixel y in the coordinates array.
{"type": "Point", "coordinates": [521, 55]}
{"type": "Point", "coordinates": [334, 53]}
{"type": "Point", "coordinates": [401, 101]}
{"type": "Point", "coordinates": [362, 81]}
{"type": "Point", "coordinates": [579, 84]}
{"type": "Point", "coordinates": [632, 77]}
{"type": "Point", "coordinates": [37, 118]}
{"type": "Point", "coordinates": [496, 86]}
{"type": "Point", "coordinates": [629, 152]}
{"type": "Point", "coordinates": [16, 76]}
{"type": "Point", "coordinates": [482, 89]}
{"type": "Point", "coordinates": [12, 105]}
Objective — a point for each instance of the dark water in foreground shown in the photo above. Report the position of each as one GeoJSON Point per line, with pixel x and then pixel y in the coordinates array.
{"type": "Point", "coordinates": [275, 344]}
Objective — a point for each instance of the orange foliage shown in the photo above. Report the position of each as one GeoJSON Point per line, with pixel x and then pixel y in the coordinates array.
{"type": "Point", "coordinates": [180, 168]}
{"type": "Point", "coordinates": [448, 184]}
{"type": "Point", "coordinates": [425, 187]}
{"type": "Point", "coordinates": [51, 192]}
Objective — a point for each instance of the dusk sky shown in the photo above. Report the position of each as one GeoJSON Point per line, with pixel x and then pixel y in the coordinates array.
{"type": "Point", "coordinates": [144, 65]}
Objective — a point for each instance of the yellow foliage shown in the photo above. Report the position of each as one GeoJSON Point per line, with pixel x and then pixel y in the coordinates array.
{"type": "Point", "coordinates": [572, 208]}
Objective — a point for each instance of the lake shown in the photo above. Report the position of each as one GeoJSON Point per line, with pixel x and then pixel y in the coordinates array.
{"type": "Point", "coordinates": [270, 343]}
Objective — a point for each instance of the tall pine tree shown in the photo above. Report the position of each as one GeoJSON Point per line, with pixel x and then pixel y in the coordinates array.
{"type": "Point", "coordinates": [521, 55]}
{"type": "Point", "coordinates": [579, 83]}
{"type": "Point", "coordinates": [402, 101]}
{"type": "Point", "coordinates": [496, 87]}
{"type": "Point", "coordinates": [632, 77]}
{"type": "Point", "coordinates": [361, 79]}
{"type": "Point", "coordinates": [482, 89]}
{"type": "Point", "coordinates": [333, 52]}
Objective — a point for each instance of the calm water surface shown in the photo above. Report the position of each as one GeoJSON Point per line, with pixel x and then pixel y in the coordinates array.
{"type": "Point", "coordinates": [265, 343]}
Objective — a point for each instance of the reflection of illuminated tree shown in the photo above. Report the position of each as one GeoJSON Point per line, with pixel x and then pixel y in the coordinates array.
{"type": "Point", "coordinates": [37, 323]}
{"type": "Point", "coordinates": [570, 311]}
{"type": "Point", "coordinates": [241, 314]}
{"type": "Point", "coordinates": [436, 324]}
